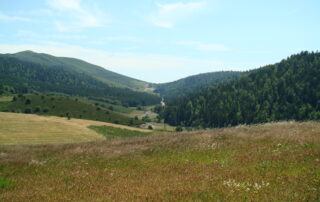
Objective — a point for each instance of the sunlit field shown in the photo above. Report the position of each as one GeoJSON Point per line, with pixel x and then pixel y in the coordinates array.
{"type": "Point", "coordinates": [270, 162]}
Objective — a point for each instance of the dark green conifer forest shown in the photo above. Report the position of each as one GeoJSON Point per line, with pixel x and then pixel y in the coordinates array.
{"type": "Point", "coordinates": [288, 90]}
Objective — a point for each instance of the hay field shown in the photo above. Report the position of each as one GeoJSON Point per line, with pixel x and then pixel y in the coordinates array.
{"type": "Point", "coordinates": [17, 129]}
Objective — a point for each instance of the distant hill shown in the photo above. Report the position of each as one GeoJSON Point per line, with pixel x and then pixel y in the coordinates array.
{"type": "Point", "coordinates": [27, 72]}
{"type": "Point", "coordinates": [80, 66]}
{"type": "Point", "coordinates": [190, 84]}
{"type": "Point", "coordinates": [289, 90]}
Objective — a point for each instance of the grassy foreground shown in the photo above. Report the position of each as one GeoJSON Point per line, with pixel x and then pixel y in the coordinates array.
{"type": "Point", "coordinates": [270, 162]}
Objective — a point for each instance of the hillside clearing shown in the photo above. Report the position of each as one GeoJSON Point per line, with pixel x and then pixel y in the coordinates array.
{"type": "Point", "coordinates": [270, 162]}
{"type": "Point", "coordinates": [33, 129]}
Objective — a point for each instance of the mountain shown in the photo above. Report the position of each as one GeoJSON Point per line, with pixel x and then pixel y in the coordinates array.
{"type": "Point", "coordinates": [27, 72]}
{"type": "Point", "coordinates": [184, 86]}
{"type": "Point", "coordinates": [80, 66]}
{"type": "Point", "coordinates": [288, 90]}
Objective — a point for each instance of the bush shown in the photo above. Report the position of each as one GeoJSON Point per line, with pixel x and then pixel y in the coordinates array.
{"type": "Point", "coordinates": [37, 110]}
{"type": "Point", "coordinates": [179, 129]}
{"type": "Point", "coordinates": [46, 110]}
{"type": "Point", "coordinates": [150, 127]}
{"type": "Point", "coordinates": [27, 102]}
{"type": "Point", "coordinates": [146, 118]}
{"type": "Point", "coordinates": [27, 111]}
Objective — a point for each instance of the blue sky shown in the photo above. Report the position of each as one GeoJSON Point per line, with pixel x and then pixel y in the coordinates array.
{"type": "Point", "coordinates": [161, 41]}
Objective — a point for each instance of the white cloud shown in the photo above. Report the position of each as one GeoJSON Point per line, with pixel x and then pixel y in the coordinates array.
{"type": "Point", "coordinates": [74, 16]}
{"type": "Point", "coordinates": [15, 18]}
{"type": "Point", "coordinates": [204, 47]}
{"type": "Point", "coordinates": [167, 15]}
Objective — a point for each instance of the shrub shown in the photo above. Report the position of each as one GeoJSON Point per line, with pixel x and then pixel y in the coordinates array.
{"type": "Point", "coordinates": [179, 129]}
{"type": "Point", "coordinates": [27, 102]}
{"type": "Point", "coordinates": [146, 118]}
{"type": "Point", "coordinates": [46, 110]}
{"type": "Point", "coordinates": [150, 127]}
{"type": "Point", "coordinates": [37, 110]}
{"type": "Point", "coordinates": [27, 111]}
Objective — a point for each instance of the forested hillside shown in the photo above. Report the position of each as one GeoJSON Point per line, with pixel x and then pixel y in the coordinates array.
{"type": "Point", "coordinates": [80, 66]}
{"type": "Point", "coordinates": [283, 91]}
{"type": "Point", "coordinates": [190, 84]}
{"type": "Point", "coordinates": [18, 76]}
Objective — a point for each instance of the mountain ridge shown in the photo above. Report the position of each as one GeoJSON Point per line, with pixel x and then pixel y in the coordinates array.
{"type": "Point", "coordinates": [101, 73]}
{"type": "Point", "coordinates": [29, 72]}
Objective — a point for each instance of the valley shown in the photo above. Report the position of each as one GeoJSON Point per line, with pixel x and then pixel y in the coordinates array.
{"type": "Point", "coordinates": [221, 136]}
{"type": "Point", "coordinates": [189, 100]}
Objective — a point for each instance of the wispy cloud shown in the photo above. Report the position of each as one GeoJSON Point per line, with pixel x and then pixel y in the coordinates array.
{"type": "Point", "coordinates": [75, 16]}
{"type": "Point", "coordinates": [15, 18]}
{"type": "Point", "coordinates": [203, 46]}
{"type": "Point", "coordinates": [167, 15]}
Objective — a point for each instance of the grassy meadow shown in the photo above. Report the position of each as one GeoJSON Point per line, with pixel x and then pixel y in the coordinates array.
{"type": "Point", "coordinates": [270, 162]}
{"type": "Point", "coordinates": [26, 129]}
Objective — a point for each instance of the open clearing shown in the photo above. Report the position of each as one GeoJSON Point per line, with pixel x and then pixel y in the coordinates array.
{"type": "Point", "coordinates": [33, 129]}
{"type": "Point", "coordinates": [269, 162]}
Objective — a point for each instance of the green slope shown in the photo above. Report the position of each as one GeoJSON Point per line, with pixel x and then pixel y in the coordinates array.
{"type": "Point", "coordinates": [65, 107]}
{"type": "Point", "coordinates": [283, 91]}
{"type": "Point", "coordinates": [23, 76]}
{"type": "Point", "coordinates": [80, 66]}
{"type": "Point", "coordinates": [190, 84]}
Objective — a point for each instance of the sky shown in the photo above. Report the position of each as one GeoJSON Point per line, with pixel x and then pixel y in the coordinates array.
{"type": "Point", "coordinates": [164, 40]}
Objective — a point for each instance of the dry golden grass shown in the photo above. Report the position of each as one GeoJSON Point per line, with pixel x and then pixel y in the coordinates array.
{"type": "Point", "coordinates": [33, 129]}
{"type": "Point", "coordinates": [270, 162]}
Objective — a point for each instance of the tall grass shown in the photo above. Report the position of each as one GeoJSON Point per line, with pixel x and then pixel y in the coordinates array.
{"type": "Point", "coordinates": [270, 162]}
